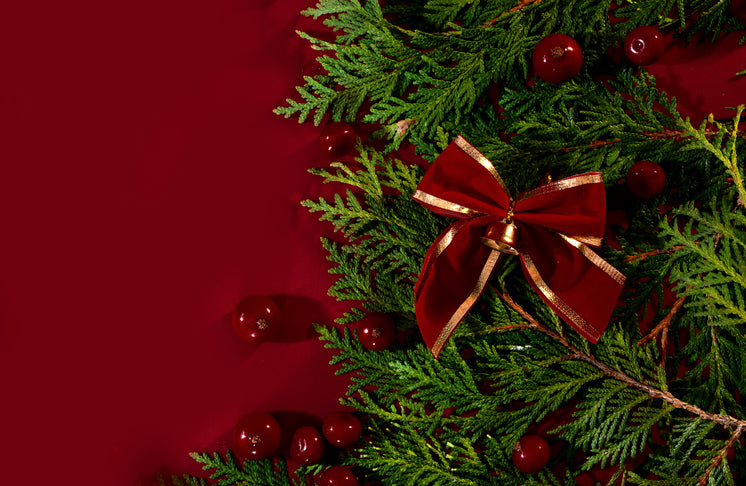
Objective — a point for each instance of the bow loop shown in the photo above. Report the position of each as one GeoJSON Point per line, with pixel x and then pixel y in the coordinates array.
{"type": "Point", "coordinates": [462, 184]}
{"type": "Point", "coordinates": [575, 206]}
{"type": "Point", "coordinates": [548, 228]}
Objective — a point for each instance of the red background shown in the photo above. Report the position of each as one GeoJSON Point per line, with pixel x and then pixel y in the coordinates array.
{"type": "Point", "coordinates": [146, 186]}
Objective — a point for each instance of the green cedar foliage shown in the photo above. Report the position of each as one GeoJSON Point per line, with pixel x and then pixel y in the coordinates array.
{"type": "Point", "coordinates": [226, 471]}
{"type": "Point", "coordinates": [431, 61]}
{"type": "Point", "coordinates": [651, 409]}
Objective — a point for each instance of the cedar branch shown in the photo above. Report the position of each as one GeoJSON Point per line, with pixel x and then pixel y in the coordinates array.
{"type": "Point", "coordinates": [719, 458]}
{"type": "Point", "coordinates": [676, 135]}
{"type": "Point", "coordinates": [521, 4]}
{"type": "Point", "coordinates": [512, 327]}
{"type": "Point", "coordinates": [723, 420]}
{"type": "Point", "coordinates": [665, 322]}
{"type": "Point", "coordinates": [663, 251]}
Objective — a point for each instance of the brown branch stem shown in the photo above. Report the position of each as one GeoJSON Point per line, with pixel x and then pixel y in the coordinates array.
{"type": "Point", "coordinates": [649, 253]}
{"type": "Point", "coordinates": [665, 322]}
{"type": "Point", "coordinates": [667, 133]}
{"type": "Point", "coordinates": [512, 327]}
{"type": "Point", "coordinates": [723, 420]}
{"type": "Point", "coordinates": [521, 4]}
{"type": "Point", "coordinates": [719, 458]}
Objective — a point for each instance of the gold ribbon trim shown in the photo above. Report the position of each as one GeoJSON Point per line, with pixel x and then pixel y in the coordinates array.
{"type": "Point", "coordinates": [554, 298]}
{"type": "Point", "coordinates": [441, 203]}
{"type": "Point", "coordinates": [602, 264]}
{"type": "Point", "coordinates": [588, 240]}
{"type": "Point", "coordinates": [568, 183]}
{"type": "Point", "coordinates": [475, 154]}
{"type": "Point", "coordinates": [577, 241]}
{"type": "Point", "coordinates": [467, 304]}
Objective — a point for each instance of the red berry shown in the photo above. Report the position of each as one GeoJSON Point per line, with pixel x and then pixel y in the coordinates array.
{"type": "Point", "coordinates": [257, 435]}
{"type": "Point", "coordinates": [337, 476]}
{"type": "Point", "coordinates": [644, 45]}
{"type": "Point", "coordinates": [646, 179]}
{"type": "Point", "coordinates": [307, 446]}
{"type": "Point", "coordinates": [255, 317]}
{"type": "Point", "coordinates": [557, 58]}
{"type": "Point", "coordinates": [337, 139]}
{"type": "Point", "coordinates": [341, 429]}
{"type": "Point", "coordinates": [530, 454]}
{"type": "Point", "coordinates": [376, 331]}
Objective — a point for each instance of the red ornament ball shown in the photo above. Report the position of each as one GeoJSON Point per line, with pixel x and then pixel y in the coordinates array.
{"type": "Point", "coordinates": [646, 179]}
{"type": "Point", "coordinates": [530, 454]}
{"type": "Point", "coordinates": [341, 429]}
{"type": "Point", "coordinates": [257, 436]}
{"type": "Point", "coordinates": [376, 331]}
{"type": "Point", "coordinates": [557, 58]}
{"type": "Point", "coordinates": [644, 45]}
{"type": "Point", "coordinates": [337, 476]}
{"type": "Point", "coordinates": [307, 445]}
{"type": "Point", "coordinates": [337, 139]}
{"type": "Point", "coordinates": [254, 318]}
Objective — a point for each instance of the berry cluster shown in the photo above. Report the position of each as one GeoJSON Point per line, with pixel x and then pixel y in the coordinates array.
{"type": "Point", "coordinates": [557, 58]}
{"type": "Point", "coordinates": [258, 435]}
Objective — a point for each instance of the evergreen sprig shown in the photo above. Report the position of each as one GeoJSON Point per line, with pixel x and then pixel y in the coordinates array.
{"type": "Point", "coordinates": [725, 153]}
{"type": "Point", "coordinates": [386, 232]}
{"type": "Point", "coordinates": [710, 275]}
{"type": "Point", "coordinates": [433, 67]}
{"type": "Point", "coordinates": [227, 471]}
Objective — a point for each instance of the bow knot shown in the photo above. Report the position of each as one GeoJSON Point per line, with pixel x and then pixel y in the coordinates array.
{"type": "Point", "coordinates": [555, 222]}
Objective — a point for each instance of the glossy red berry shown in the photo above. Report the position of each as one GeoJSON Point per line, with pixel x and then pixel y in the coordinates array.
{"type": "Point", "coordinates": [307, 445]}
{"type": "Point", "coordinates": [341, 429]}
{"type": "Point", "coordinates": [530, 454]}
{"type": "Point", "coordinates": [255, 318]}
{"type": "Point", "coordinates": [257, 436]}
{"type": "Point", "coordinates": [644, 45]}
{"type": "Point", "coordinates": [557, 58]}
{"type": "Point", "coordinates": [376, 331]}
{"type": "Point", "coordinates": [337, 476]}
{"type": "Point", "coordinates": [646, 179]}
{"type": "Point", "coordinates": [337, 139]}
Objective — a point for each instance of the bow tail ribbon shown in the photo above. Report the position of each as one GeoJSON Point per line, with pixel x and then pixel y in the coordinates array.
{"type": "Point", "coordinates": [556, 223]}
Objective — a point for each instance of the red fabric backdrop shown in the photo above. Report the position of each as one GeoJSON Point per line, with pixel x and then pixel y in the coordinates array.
{"type": "Point", "coordinates": [146, 187]}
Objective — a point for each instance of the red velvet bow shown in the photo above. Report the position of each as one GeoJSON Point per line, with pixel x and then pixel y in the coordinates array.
{"type": "Point", "coordinates": [548, 228]}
